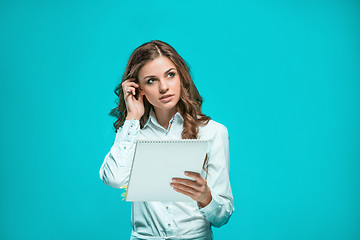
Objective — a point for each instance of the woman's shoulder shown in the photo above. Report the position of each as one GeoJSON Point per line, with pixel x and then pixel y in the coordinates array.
{"type": "Point", "coordinates": [215, 125]}
{"type": "Point", "coordinates": [212, 128]}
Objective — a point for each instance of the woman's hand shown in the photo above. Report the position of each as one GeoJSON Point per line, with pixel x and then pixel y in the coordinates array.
{"type": "Point", "coordinates": [135, 107]}
{"type": "Point", "coordinates": [197, 189]}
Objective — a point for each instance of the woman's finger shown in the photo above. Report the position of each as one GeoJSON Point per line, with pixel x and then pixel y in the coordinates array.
{"type": "Point", "coordinates": [129, 92]}
{"type": "Point", "coordinates": [129, 81]}
{"type": "Point", "coordinates": [187, 182]}
{"type": "Point", "coordinates": [195, 176]}
{"type": "Point", "coordinates": [130, 85]}
{"type": "Point", "coordinates": [186, 193]}
{"type": "Point", "coordinates": [126, 84]}
{"type": "Point", "coordinates": [184, 188]}
{"type": "Point", "coordinates": [191, 192]}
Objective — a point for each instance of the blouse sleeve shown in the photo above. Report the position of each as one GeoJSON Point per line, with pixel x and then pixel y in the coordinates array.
{"type": "Point", "coordinates": [116, 167]}
{"type": "Point", "coordinates": [221, 207]}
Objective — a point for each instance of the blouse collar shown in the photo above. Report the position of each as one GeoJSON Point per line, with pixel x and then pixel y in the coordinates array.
{"type": "Point", "coordinates": [152, 117]}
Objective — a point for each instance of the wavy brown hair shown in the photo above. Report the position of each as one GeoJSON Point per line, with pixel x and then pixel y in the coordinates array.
{"type": "Point", "coordinates": [189, 105]}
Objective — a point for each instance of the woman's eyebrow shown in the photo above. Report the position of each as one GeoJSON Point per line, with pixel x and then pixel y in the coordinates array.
{"type": "Point", "coordinates": [155, 76]}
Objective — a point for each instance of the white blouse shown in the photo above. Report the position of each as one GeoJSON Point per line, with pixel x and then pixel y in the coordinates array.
{"type": "Point", "coordinates": [172, 220]}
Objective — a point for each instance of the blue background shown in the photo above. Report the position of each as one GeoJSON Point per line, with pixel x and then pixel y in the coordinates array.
{"type": "Point", "coordinates": [282, 76]}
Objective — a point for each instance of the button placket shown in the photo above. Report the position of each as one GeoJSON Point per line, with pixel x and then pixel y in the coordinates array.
{"type": "Point", "coordinates": [171, 121]}
{"type": "Point", "coordinates": [169, 217]}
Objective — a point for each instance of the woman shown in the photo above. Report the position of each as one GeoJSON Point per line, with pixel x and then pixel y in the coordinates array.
{"type": "Point", "coordinates": [158, 100]}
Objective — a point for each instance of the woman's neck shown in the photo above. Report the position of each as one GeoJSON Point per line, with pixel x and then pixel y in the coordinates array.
{"type": "Point", "coordinates": [163, 116]}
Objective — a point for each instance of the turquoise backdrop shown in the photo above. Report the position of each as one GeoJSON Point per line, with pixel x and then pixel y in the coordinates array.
{"type": "Point", "coordinates": [282, 76]}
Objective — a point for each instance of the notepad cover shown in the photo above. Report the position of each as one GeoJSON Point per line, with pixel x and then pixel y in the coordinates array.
{"type": "Point", "coordinates": [156, 162]}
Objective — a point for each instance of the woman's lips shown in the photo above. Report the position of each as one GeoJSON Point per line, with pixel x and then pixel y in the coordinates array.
{"type": "Point", "coordinates": [166, 99]}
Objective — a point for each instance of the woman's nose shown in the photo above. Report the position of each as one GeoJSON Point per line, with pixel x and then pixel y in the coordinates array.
{"type": "Point", "coordinates": [163, 86]}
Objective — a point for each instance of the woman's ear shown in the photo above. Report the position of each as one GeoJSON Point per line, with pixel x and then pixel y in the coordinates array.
{"type": "Point", "coordinates": [141, 91]}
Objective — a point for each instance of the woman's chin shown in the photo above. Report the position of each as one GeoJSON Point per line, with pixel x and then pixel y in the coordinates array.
{"type": "Point", "coordinates": [165, 106]}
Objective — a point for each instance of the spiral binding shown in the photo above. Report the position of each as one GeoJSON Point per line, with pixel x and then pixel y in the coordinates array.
{"type": "Point", "coordinates": [171, 141]}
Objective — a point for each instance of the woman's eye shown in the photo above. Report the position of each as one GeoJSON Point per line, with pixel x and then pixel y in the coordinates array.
{"type": "Point", "coordinates": [150, 81]}
{"type": "Point", "coordinates": [173, 74]}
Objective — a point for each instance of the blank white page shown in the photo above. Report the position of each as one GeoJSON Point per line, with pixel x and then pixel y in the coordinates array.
{"type": "Point", "coordinates": [157, 162]}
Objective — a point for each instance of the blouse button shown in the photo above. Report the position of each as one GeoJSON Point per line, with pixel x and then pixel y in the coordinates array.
{"type": "Point", "coordinates": [169, 224]}
{"type": "Point", "coordinates": [167, 207]}
{"type": "Point", "coordinates": [128, 133]}
{"type": "Point", "coordinates": [132, 125]}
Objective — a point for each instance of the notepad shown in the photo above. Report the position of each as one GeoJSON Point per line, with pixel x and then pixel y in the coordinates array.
{"type": "Point", "coordinates": [155, 163]}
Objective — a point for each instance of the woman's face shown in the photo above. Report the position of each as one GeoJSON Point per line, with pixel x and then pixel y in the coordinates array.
{"type": "Point", "coordinates": [159, 81]}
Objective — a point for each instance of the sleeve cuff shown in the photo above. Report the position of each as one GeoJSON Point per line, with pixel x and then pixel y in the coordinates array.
{"type": "Point", "coordinates": [130, 129]}
{"type": "Point", "coordinates": [212, 207]}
